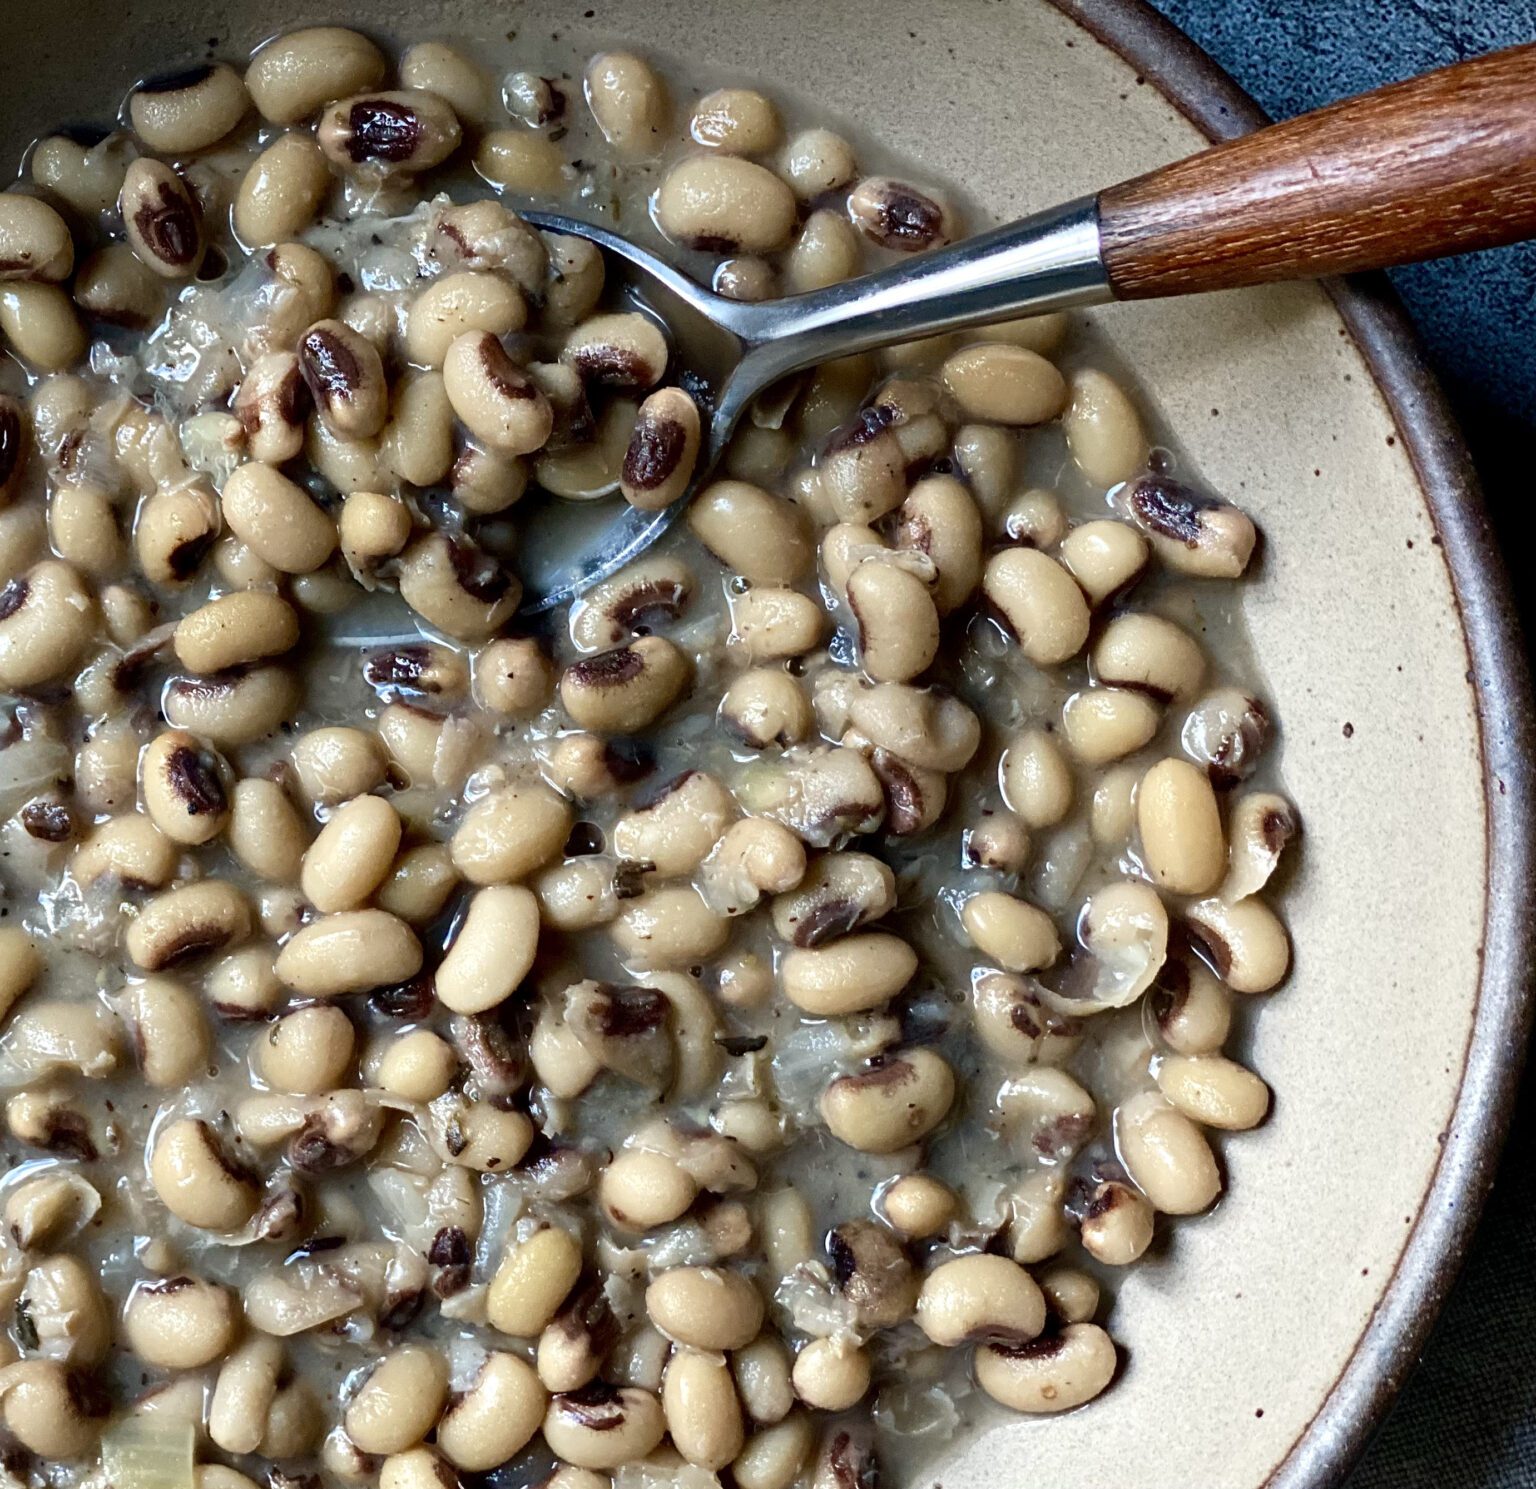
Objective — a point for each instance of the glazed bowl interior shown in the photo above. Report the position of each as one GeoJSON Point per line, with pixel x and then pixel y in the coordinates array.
{"type": "Point", "coordinates": [1238, 1330]}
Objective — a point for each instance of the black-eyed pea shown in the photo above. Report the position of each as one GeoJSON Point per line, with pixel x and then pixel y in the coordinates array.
{"type": "Point", "coordinates": [486, 482]}
{"type": "Point", "coordinates": [761, 537]}
{"type": "Point", "coordinates": [47, 1412]}
{"type": "Point", "coordinates": [1192, 533]}
{"type": "Point", "coordinates": [1040, 603]}
{"type": "Point", "coordinates": [293, 75]}
{"type": "Point", "coordinates": [186, 922]}
{"type": "Point", "coordinates": [841, 892]}
{"type": "Point", "coordinates": [1166, 1155]}
{"type": "Point", "coordinates": [20, 964]}
{"type": "Point", "coordinates": [980, 1297]}
{"type": "Point", "coordinates": [64, 1309]}
{"type": "Point", "coordinates": [345, 377]}
{"type": "Point", "coordinates": [391, 133]}
{"type": "Point", "coordinates": [49, 1209]}
{"type": "Point", "coordinates": [265, 830]}
{"type": "Point", "coordinates": [724, 204]}
{"type": "Point", "coordinates": [180, 1323]}
{"type": "Point", "coordinates": [308, 1051]}
{"type": "Point", "coordinates": [418, 883]}
{"type": "Point", "coordinates": [336, 763]}
{"type": "Point", "coordinates": [352, 855]}
{"type": "Point", "coordinates": [832, 1374]}
{"type": "Point", "coordinates": [678, 826]}
{"type": "Point", "coordinates": [243, 1394]}
{"type": "Point", "coordinates": [766, 706]}
{"type": "Point", "coordinates": [128, 848]}
{"type": "Point", "coordinates": [418, 1066]}
{"type": "Point", "coordinates": [434, 67]}
{"type": "Point", "coordinates": [627, 689]}
{"type": "Point", "coordinates": [493, 950]}
{"type": "Point", "coordinates": [1038, 333]}
{"type": "Point", "coordinates": [372, 526]}
{"type": "Point", "coordinates": [1244, 941]}
{"type": "Point", "coordinates": [641, 1188]}
{"type": "Point", "coordinates": [1054, 1373]}
{"type": "Point", "coordinates": [918, 1206]}
{"type": "Point", "coordinates": [399, 1402]}
{"type": "Point", "coordinates": [1104, 431]}
{"type": "Point", "coordinates": [1000, 842]}
{"type": "Point", "coordinates": [196, 1180]}
{"type": "Point", "coordinates": [671, 927]}
{"type": "Point", "coordinates": [495, 1417]}
{"type": "Point", "coordinates": [349, 952]}
{"type": "Point", "coordinates": [873, 1274]}
{"type": "Point", "coordinates": [1180, 826]}
{"type": "Point", "coordinates": [705, 1308]}
{"type": "Point", "coordinates": [161, 219]}
{"type": "Point", "coordinates": [752, 1124]}
{"type": "Point", "coordinates": [1035, 518]}
{"type": "Point", "coordinates": [638, 598]}
{"type": "Point", "coordinates": [926, 727]}
{"type": "Point", "coordinates": [35, 242]}
{"type": "Point", "coordinates": [170, 1030]}
{"type": "Point", "coordinates": [416, 1468]}
{"type": "Point", "coordinates": [602, 1426]}
{"type": "Point", "coordinates": [817, 161]}
{"type": "Point", "coordinates": [1071, 1294]}
{"type": "Point", "coordinates": [573, 282]}
{"type": "Point", "coordinates": [581, 893]}
{"type": "Point", "coordinates": [862, 470]}
{"type": "Point", "coordinates": [826, 252]}
{"type": "Point", "coordinates": [846, 545]}
{"type": "Point", "coordinates": [761, 1371]}
{"type": "Point", "coordinates": [175, 530]}
{"type": "Point", "coordinates": [243, 985]}
{"type": "Point", "coordinates": [1149, 654]}
{"type": "Point", "coordinates": [83, 530]}
{"type": "Point", "coordinates": [1018, 936]}
{"type": "Point", "coordinates": [456, 304]}
{"type": "Point", "coordinates": [847, 975]}
{"type": "Point", "coordinates": [107, 764]}
{"type": "Point", "coordinates": [1105, 724]}
{"type": "Point", "coordinates": [987, 457]}
{"type": "Point", "coordinates": [1214, 1091]}
{"type": "Point", "coordinates": [116, 286]}
{"type": "Point", "coordinates": [896, 215]}
{"type": "Point", "coordinates": [774, 1455]}
{"type": "Point", "coordinates": [1105, 557]}
{"type": "Point", "coordinates": [1225, 732]}
{"type": "Point", "coordinates": [940, 520]}
{"type": "Point", "coordinates": [271, 404]}
{"type": "Point", "coordinates": [478, 1135]}
{"type": "Point", "coordinates": [52, 1036]}
{"type": "Point", "coordinates": [39, 322]}
{"type": "Point", "coordinates": [46, 617]}
{"type": "Point", "coordinates": [663, 450]}
{"type": "Point", "coordinates": [522, 162]}
{"type": "Point", "coordinates": [772, 624]}
{"type": "Point", "coordinates": [1001, 384]}
{"type": "Point", "coordinates": [237, 564]}
{"type": "Point", "coordinates": [347, 464]}
{"type": "Point", "coordinates": [1191, 1009]}
{"type": "Point", "coordinates": [703, 1416]}
{"type": "Point", "coordinates": [538, 101]}
{"type": "Point", "coordinates": [280, 911]}
{"type": "Point", "coordinates": [234, 630]}
{"type": "Point", "coordinates": [533, 1279]}
{"type": "Point", "coordinates": [509, 833]}
{"type": "Point", "coordinates": [232, 708]}
{"type": "Point", "coordinates": [914, 797]}
{"type": "Point", "coordinates": [628, 100]}
{"type": "Point", "coordinates": [457, 587]}
{"type": "Point", "coordinates": [277, 518]}
{"type": "Point", "coordinates": [1116, 1224]}
{"type": "Point", "coordinates": [754, 857]}
{"type": "Point", "coordinates": [895, 1101]}
{"type": "Point", "coordinates": [1112, 811]}
{"type": "Point", "coordinates": [282, 191]}
{"type": "Point", "coordinates": [898, 624]}
{"type": "Point", "coordinates": [183, 787]}
{"type": "Point", "coordinates": [735, 121]}
{"type": "Point", "coordinates": [493, 397]}
{"type": "Point", "coordinates": [625, 350]}
{"type": "Point", "coordinates": [188, 111]}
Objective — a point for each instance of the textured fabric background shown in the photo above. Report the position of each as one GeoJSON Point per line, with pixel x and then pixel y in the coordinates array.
{"type": "Point", "coordinates": [1467, 1419]}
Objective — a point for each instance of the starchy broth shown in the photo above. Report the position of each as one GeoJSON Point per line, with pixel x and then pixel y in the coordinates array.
{"type": "Point", "coordinates": [730, 1028]}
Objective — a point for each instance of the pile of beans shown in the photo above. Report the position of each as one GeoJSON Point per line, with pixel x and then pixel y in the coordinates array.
{"type": "Point", "coordinates": [742, 1020]}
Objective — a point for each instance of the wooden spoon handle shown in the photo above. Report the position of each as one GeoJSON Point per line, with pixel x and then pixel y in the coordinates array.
{"type": "Point", "coordinates": [1440, 164]}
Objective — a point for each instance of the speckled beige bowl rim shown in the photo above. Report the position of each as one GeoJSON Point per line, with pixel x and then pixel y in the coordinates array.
{"type": "Point", "coordinates": [1499, 674]}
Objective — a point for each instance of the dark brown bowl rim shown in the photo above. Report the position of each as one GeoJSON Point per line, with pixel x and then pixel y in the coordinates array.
{"type": "Point", "coordinates": [1386, 1351]}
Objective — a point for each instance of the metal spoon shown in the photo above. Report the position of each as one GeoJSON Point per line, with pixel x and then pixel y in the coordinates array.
{"type": "Point", "coordinates": [1440, 164]}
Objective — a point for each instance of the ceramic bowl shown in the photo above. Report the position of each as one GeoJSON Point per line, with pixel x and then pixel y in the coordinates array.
{"type": "Point", "coordinates": [1264, 1341]}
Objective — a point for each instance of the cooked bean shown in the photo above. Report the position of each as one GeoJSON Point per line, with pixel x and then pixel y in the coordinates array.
{"type": "Point", "coordinates": [659, 463]}
{"type": "Point", "coordinates": [918, 1206]}
{"type": "Point", "coordinates": [403, 131]}
{"type": "Point", "coordinates": [183, 786]}
{"type": "Point", "coordinates": [532, 1281]}
{"type": "Point", "coordinates": [848, 975]}
{"type": "Point", "coordinates": [626, 350]}
{"type": "Point", "coordinates": [372, 527]}
{"type": "Point", "coordinates": [980, 1297]}
{"type": "Point", "coordinates": [735, 121]}
{"type": "Point", "coordinates": [175, 530]}
{"type": "Point", "coordinates": [348, 861]}
{"type": "Point", "coordinates": [39, 322]}
{"type": "Point", "coordinates": [669, 927]}
{"type": "Point", "coordinates": [925, 727]}
{"type": "Point", "coordinates": [764, 707]}
{"type": "Point", "coordinates": [234, 630]}
{"type": "Point", "coordinates": [1016, 935]}
{"type": "Point", "coordinates": [349, 952]}
{"type": "Point", "coordinates": [277, 519]}
{"type": "Point", "coordinates": [898, 623]}
{"type": "Point", "coordinates": [50, 1410]}
{"type": "Point", "coordinates": [705, 1307]}
{"type": "Point", "coordinates": [456, 587]}
{"type": "Point", "coordinates": [1192, 1010]}
{"type": "Point", "coordinates": [265, 831]}
{"type": "Point", "coordinates": [188, 111]}
{"type": "Point", "coordinates": [1192, 533]}
{"type": "Point", "coordinates": [603, 1426]}
{"type": "Point", "coordinates": [1180, 827]}
{"type": "Point", "coordinates": [46, 618]}
{"type": "Point", "coordinates": [1260, 825]}
{"type": "Point", "coordinates": [940, 520]}
{"type": "Point", "coordinates": [495, 1417]}
{"type": "Point", "coordinates": [1040, 603]}
{"type": "Point", "coordinates": [1004, 384]}
{"type": "Point", "coordinates": [187, 921]}
{"type": "Point", "coordinates": [179, 1323]}
{"type": "Point", "coordinates": [702, 1413]}
{"type": "Point", "coordinates": [115, 285]}
{"type": "Point", "coordinates": [628, 101]}
{"type": "Point", "coordinates": [1116, 1225]}
{"type": "Point", "coordinates": [1104, 557]}
{"type": "Point", "coordinates": [244, 1393]}
{"type": "Point", "coordinates": [898, 216]}
{"type": "Point", "coordinates": [677, 828]}
{"type": "Point", "coordinates": [162, 220]}
{"type": "Point", "coordinates": [1105, 724]}
{"type": "Point", "coordinates": [493, 951]}
{"type": "Point", "coordinates": [626, 689]}
{"type": "Point", "coordinates": [1036, 779]}
{"type": "Point", "coordinates": [519, 161]}
{"type": "Point", "coordinates": [35, 242]}
{"type": "Point", "coordinates": [64, 1312]}
{"type": "Point", "coordinates": [437, 68]}
{"type": "Point", "coordinates": [292, 76]}
{"type": "Point", "coordinates": [400, 1401]}
{"type": "Point", "coordinates": [507, 834]}
{"type": "Point", "coordinates": [282, 191]}
{"type": "Point", "coordinates": [1166, 1155]}
{"type": "Point", "coordinates": [196, 1180]}
{"type": "Point", "coordinates": [1214, 1091]}
{"type": "Point", "coordinates": [831, 1374]}
{"type": "Point", "coordinates": [1034, 518]}
{"type": "Point", "coordinates": [345, 378]}
{"type": "Point", "coordinates": [817, 161]}
{"type": "Point", "coordinates": [497, 402]}
{"type": "Point", "coordinates": [771, 624]}
{"type": "Point", "coordinates": [761, 537]}
{"type": "Point", "coordinates": [456, 305]}
{"type": "Point", "coordinates": [895, 1101]}
{"type": "Point", "coordinates": [1245, 942]}
{"type": "Point", "coordinates": [535, 100]}
{"type": "Point", "coordinates": [1104, 431]}
{"type": "Point", "coordinates": [724, 204]}
{"type": "Point", "coordinates": [232, 708]}
{"type": "Point", "coordinates": [1225, 732]}
{"type": "Point", "coordinates": [1149, 654]}
{"type": "Point", "coordinates": [20, 963]}
{"type": "Point", "coordinates": [988, 459]}
{"type": "Point", "coordinates": [997, 842]}
{"type": "Point", "coordinates": [1056, 1372]}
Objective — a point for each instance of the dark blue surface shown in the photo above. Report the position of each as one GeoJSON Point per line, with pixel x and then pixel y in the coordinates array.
{"type": "Point", "coordinates": [1467, 1419]}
